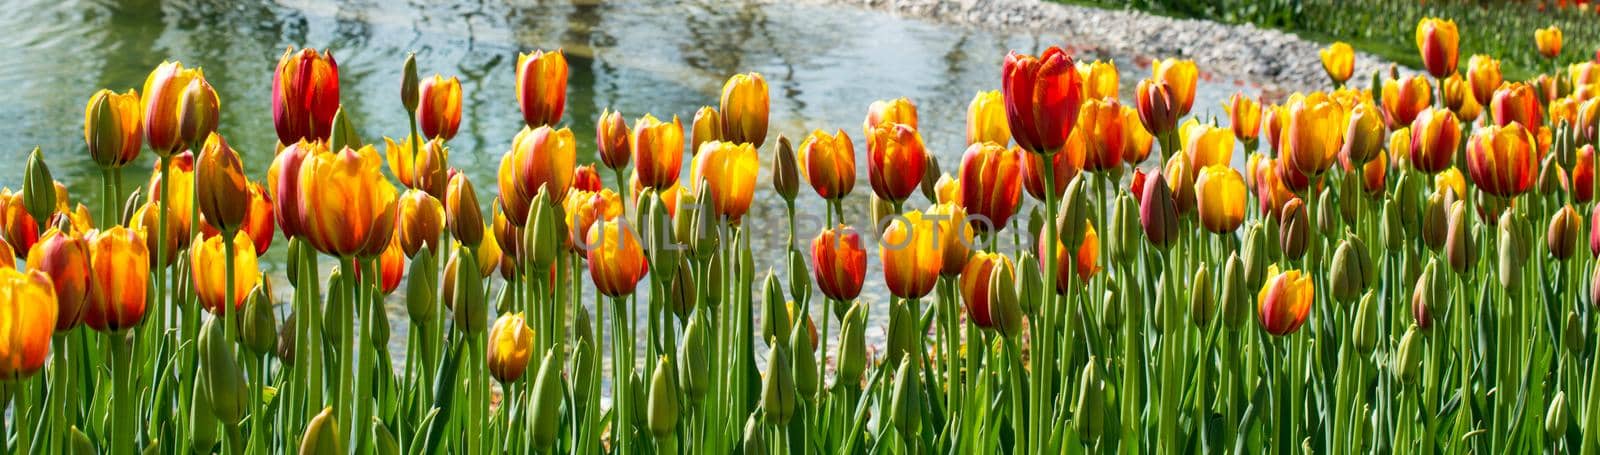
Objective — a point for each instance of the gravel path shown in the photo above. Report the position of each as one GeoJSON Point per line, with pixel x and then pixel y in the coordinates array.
{"type": "Point", "coordinates": [1265, 56]}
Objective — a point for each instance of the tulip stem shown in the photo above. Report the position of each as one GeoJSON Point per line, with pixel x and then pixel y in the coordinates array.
{"type": "Point", "coordinates": [124, 403]}
{"type": "Point", "coordinates": [1041, 367]}
{"type": "Point", "coordinates": [60, 385]}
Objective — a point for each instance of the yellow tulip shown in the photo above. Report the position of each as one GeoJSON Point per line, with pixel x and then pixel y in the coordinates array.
{"type": "Point", "coordinates": [111, 127]}
{"type": "Point", "coordinates": [28, 316]}
{"type": "Point", "coordinates": [162, 94]}
{"type": "Point", "coordinates": [1312, 133]}
{"type": "Point", "coordinates": [912, 256]}
{"type": "Point", "coordinates": [1136, 140]}
{"type": "Point", "coordinates": [210, 273]}
{"type": "Point", "coordinates": [1483, 74]}
{"type": "Point", "coordinates": [657, 151]}
{"type": "Point", "coordinates": [1244, 116]}
{"type": "Point", "coordinates": [744, 109]}
{"type": "Point", "coordinates": [1220, 195]}
{"type": "Point", "coordinates": [510, 347]}
{"type": "Point", "coordinates": [1339, 61]}
{"type": "Point", "coordinates": [1100, 124]}
{"type": "Point", "coordinates": [829, 162]}
{"type": "Point", "coordinates": [616, 260]}
{"type": "Point", "coordinates": [1438, 42]}
{"type": "Point", "coordinates": [899, 110]}
{"type": "Point", "coordinates": [1206, 145]}
{"type": "Point", "coordinates": [347, 205]}
{"type": "Point", "coordinates": [542, 87]}
{"type": "Point", "coordinates": [1181, 77]}
{"type": "Point", "coordinates": [1100, 79]}
{"type": "Point", "coordinates": [986, 119]}
{"type": "Point", "coordinates": [180, 197]}
{"type": "Point", "coordinates": [1548, 40]}
{"type": "Point", "coordinates": [730, 169]}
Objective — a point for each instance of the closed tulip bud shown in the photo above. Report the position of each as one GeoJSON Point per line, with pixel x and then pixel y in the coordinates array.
{"type": "Point", "coordinates": [1409, 358]}
{"type": "Point", "coordinates": [222, 192]}
{"type": "Point", "coordinates": [1235, 296]}
{"type": "Point", "coordinates": [785, 170]}
{"type": "Point", "coordinates": [259, 327]}
{"type": "Point", "coordinates": [198, 110]}
{"type": "Point", "coordinates": [1201, 302]}
{"type": "Point", "coordinates": [38, 188]}
{"type": "Point", "coordinates": [1391, 229]}
{"type": "Point", "coordinates": [774, 319]}
{"type": "Point", "coordinates": [1364, 137]}
{"type": "Point", "coordinates": [462, 213]}
{"type": "Point", "coordinates": [682, 292]}
{"type": "Point", "coordinates": [468, 303]}
{"type": "Point", "coordinates": [744, 107]}
{"type": "Point", "coordinates": [664, 408]}
{"type": "Point", "coordinates": [1158, 214]}
{"type": "Point", "coordinates": [997, 306]}
{"type": "Point", "coordinates": [1461, 243]}
{"type": "Point", "coordinates": [421, 285]}
{"type": "Point", "coordinates": [420, 222]}
{"type": "Point", "coordinates": [547, 399]}
{"type": "Point", "coordinates": [693, 363]}
{"type": "Point", "coordinates": [1030, 282]}
{"type": "Point", "coordinates": [778, 388]}
{"type": "Point", "coordinates": [1073, 214]}
{"type": "Point", "coordinates": [220, 370]}
{"type": "Point", "coordinates": [1435, 222]}
{"type": "Point", "coordinates": [1257, 255]}
{"type": "Point", "coordinates": [1555, 419]}
{"type": "Point", "coordinates": [322, 435]}
{"type": "Point", "coordinates": [1295, 233]}
{"type": "Point", "coordinates": [852, 350]}
{"type": "Point", "coordinates": [1594, 234]}
{"type": "Point", "coordinates": [613, 140]}
{"type": "Point", "coordinates": [542, 232]}
{"type": "Point", "coordinates": [902, 332]}
{"type": "Point", "coordinates": [754, 441]}
{"type": "Point", "coordinates": [1513, 249]}
{"type": "Point", "coordinates": [802, 343]}
{"type": "Point", "coordinates": [26, 296]}
{"type": "Point", "coordinates": [1088, 413]}
{"type": "Point", "coordinates": [905, 407]}
{"type": "Point", "coordinates": [408, 83]}
{"type": "Point", "coordinates": [1438, 42]}
{"type": "Point", "coordinates": [1572, 336]}
{"type": "Point", "coordinates": [1123, 236]}
{"type": "Point", "coordinates": [1429, 296]}
{"type": "Point", "coordinates": [1562, 236]}
{"type": "Point", "coordinates": [111, 128]}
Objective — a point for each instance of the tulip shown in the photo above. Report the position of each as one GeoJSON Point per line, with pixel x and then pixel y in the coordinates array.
{"type": "Point", "coordinates": [402, 158]}
{"type": "Point", "coordinates": [161, 100]}
{"type": "Point", "coordinates": [1501, 160]}
{"type": "Point", "coordinates": [25, 302]}
{"type": "Point", "coordinates": [1085, 259]}
{"type": "Point", "coordinates": [947, 190]}
{"type": "Point", "coordinates": [20, 228]}
{"type": "Point", "coordinates": [510, 346]}
{"type": "Point", "coordinates": [1587, 120]}
{"type": "Point", "coordinates": [1483, 74]}
{"type": "Point", "coordinates": [912, 257]}
{"type": "Point", "coordinates": [1562, 236]}
{"type": "Point", "coordinates": [786, 171]}
{"type": "Point", "coordinates": [258, 220]}
{"type": "Point", "coordinates": [744, 109]}
{"type": "Point", "coordinates": [111, 128]}
{"type": "Point", "coordinates": [508, 236]}
{"type": "Point", "coordinates": [586, 178]}
{"type": "Point", "coordinates": [1313, 133]}
{"type": "Point", "coordinates": [950, 224]}
{"type": "Point", "coordinates": [181, 197]}
{"type": "Point", "coordinates": [305, 95]}
{"type": "Point", "coordinates": [1042, 96]}
{"type": "Point", "coordinates": [542, 87]}
{"type": "Point", "coordinates": [1458, 97]}
{"type": "Point", "coordinates": [669, 196]}
{"type": "Point", "coordinates": [1067, 162]}
{"type": "Point", "coordinates": [1583, 175]}
{"type": "Point", "coordinates": [539, 158]}
{"type": "Point", "coordinates": [1100, 125]}
{"type": "Point", "coordinates": [440, 111]}
{"type": "Point", "coordinates": [1339, 61]}
{"type": "Point", "coordinates": [991, 187]}
{"type": "Point", "coordinates": [1220, 196]}
{"type": "Point", "coordinates": [976, 282]}
{"type": "Point", "coordinates": [1206, 145]}
{"type": "Point", "coordinates": [1244, 116]}
{"type": "Point", "coordinates": [1438, 41]}
{"type": "Point", "coordinates": [840, 262]}
{"type": "Point", "coordinates": [898, 110]}
{"type": "Point", "coordinates": [657, 151]}
{"type": "Point", "coordinates": [1364, 137]}
{"type": "Point", "coordinates": [1157, 106]}
{"type": "Point", "coordinates": [707, 127]}
{"type": "Point", "coordinates": [729, 171]}
{"type": "Point", "coordinates": [986, 119]}
{"type": "Point", "coordinates": [198, 109]}
{"type": "Point", "coordinates": [584, 208]}
{"type": "Point", "coordinates": [1284, 301]}
{"type": "Point", "coordinates": [616, 261]}
{"type": "Point", "coordinates": [1548, 40]}
{"type": "Point", "coordinates": [283, 184]}
{"type": "Point", "coordinates": [64, 257]}
{"type": "Point", "coordinates": [895, 160]}
{"type": "Point", "coordinates": [1435, 134]}
{"type": "Point", "coordinates": [1158, 213]}
{"type": "Point", "coordinates": [1136, 140]}
{"type": "Point", "coordinates": [419, 222]}
{"type": "Point", "coordinates": [829, 163]}
{"type": "Point", "coordinates": [391, 267]}
{"type": "Point", "coordinates": [462, 215]}
{"type": "Point", "coordinates": [1404, 99]}
{"type": "Point", "coordinates": [222, 192]}
{"type": "Point", "coordinates": [210, 281]}
{"type": "Point", "coordinates": [1100, 79]}
{"type": "Point", "coordinates": [119, 260]}
{"type": "Point", "coordinates": [1516, 102]}
{"type": "Point", "coordinates": [613, 140]}
{"type": "Point", "coordinates": [1181, 77]}
{"type": "Point", "coordinates": [347, 206]}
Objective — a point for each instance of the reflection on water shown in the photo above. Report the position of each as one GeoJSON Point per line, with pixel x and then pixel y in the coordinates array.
{"type": "Point", "coordinates": [824, 65]}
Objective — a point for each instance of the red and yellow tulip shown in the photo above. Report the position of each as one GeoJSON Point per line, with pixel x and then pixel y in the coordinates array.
{"type": "Point", "coordinates": [899, 110]}
{"type": "Point", "coordinates": [420, 222]}
{"type": "Point", "coordinates": [613, 140]}
{"type": "Point", "coordinates": [347, 206]}
{"type": "Point", "coordinates": [30, 318]}
{"type": "Point", "coordinates": [657, 151]}
{"type": "Point", "coordinates": [616, 260]}
{"type": "Point", "coordinates": [1404, 98]}
{"type": "Point", "coordinates": [1244, 117]}
{"type": "Point", "coordinates": [64, 257]}
{"type": "Point", "coordinates": [976, 282]}
{"type": "Point", "coordinates": [120, 262]}
{"type": "Point", "coordinates": [1435, 134]}
{"type": "Point", "coordinates": [161, 98]}
{"type": "Point", "coordinates": [1483, 74]}
{"type": "Point", "coordinates": [991, 184]}
{"type": "Point", "coordinates": [584, 208]}
{"type": "Point", "coordinates": [1501, 159]}
{"type": "Point", "coordinates": [895, 160]}
{"type": "Point", "coordinates": [1284, 301]}
{"type": "Point", "coordinates": [1548, 41]}
{"type": "Point", "coordinates": [1313, 132]}
{"type": "Point", "coordinates": [510, 347]}
{"type": "Point", "coordinates": [305, 95]}
{"type": "Point", "coordinates": [840, 263]}
{"type": "Point", "coordinates": [210, 276]}
{"type": "Point", "coordinates": [1517, 102]}
{"type": "Point", "coordinates": [440, 111]}
{"type": "Point", "coordinates": [540, 157]}
{"type": "Point", "coordinates": [912, 257]}
{"type": "Point", "coordinates": [1101, 124]}
{"type": "Point", "coordinates": [1042, 97]}
{"type": "Point", "coordinates": [542, 87]}
{"type": "Point", "coordinates": [111, 128]}
{"type": "Point", "coordinates": [1439, 43]}
{"type": "Point", "coordinates": [729, 170]}
{"type": "Point", "coordinates": [829, 162]}
{"type": "Point", "coordinates": [181, 197]}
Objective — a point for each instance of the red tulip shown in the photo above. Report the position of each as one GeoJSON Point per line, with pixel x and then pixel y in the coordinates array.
{"type": "Point", "coordinates": [1042, 95]}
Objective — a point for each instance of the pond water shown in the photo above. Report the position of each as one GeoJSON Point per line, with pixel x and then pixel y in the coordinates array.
{"type": "Point", "coordinates": [824, 66]}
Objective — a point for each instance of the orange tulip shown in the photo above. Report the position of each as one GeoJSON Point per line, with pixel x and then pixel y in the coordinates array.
{"type": "Point", "coordinates": [899, 110]}
{"type": "Point", "coordinates": [657, 151]}
{"type": "Point", "coordinates": [744, 109]}
{"type": "Point", "coordinates": [222, 193]}
{"type": "Point", "coordinates": [1181, 77]}
{"type": "Point", "coordinates": [586, 178]}
{"type": "Point", "coordinates": [258, 221]}
{"type": "Point", "coordinates": [895, 160]}
{"type": "Point", "coordinates": [1313, 132]}
{"type": "Point", "coordinates": [1501, 159]}
{"type": "Point", "coordinates": [111, 127]}
{"type": "Point", "coordinates": [975, 284]}
{"type": "Point", "coordinates": [508, 235]}
{"type": "Point", "coordinates": [402, 158]}
{"type": "Point", "coordinates": [986, 119]}
{"type": "Point", "coordinates": [616, 261]}
{"type": "Point", "coordinates": [21, 231]}
{"type": "Point", "coordinates": [1284, 301]}
{"type": "Point", "coordinates": [949, 221]}
{"type": "Point", "coordinates": [1100, 79]}
{"type": "Point", "coordinates": [584, 208]}
{"type": "Point", "coordinates": [8, 257]}
{"type": "Point", "coordinates": [210, 275]}
{"type": "Point", "coordinates": [461, 212]}
{"type": "Point", "coordinates": [1450, 179]}
{"type": "Point", "coordinates": [1206, 145]}
{"type": "Point", "coordinates": [1100, 122]}
{"type": "Point", "coordinates": [1220, 196]}
{"type": "Point", "coordinates": [1068, 161]}
{"type": "Point", "coordinates": [181, 197]}
{"type": "Point", "coordinates": [163, 91]}
{"type": "Point", "coordinates": [347, 206]}
{"type": "Point", "coordinates": [707, 127]}
{"type": "Point", "coordinates": [391, 267]}
{"type": "Point", "coordinates": [1181, 178]}
{"type": "Point", "coordinates": [1372, 173]}
{"type": "Point", "coordinates": [510, 347]}
{"type": "Point", "coordinates": [1438, 42]}
{"type": "Point", "coordinates": [1548, 40]}
{"type": "Point", "coordinates": [839, 262]}
{"type": "Point", "coordinates": [120, 262]}
{"type": "Point", "coordinates": [440, 112]}
{"type": "Point", "coordinates": [1483, 72]}
{"type": "Point", "coordinates": [1136, 140]}
{"type": "Point", "coordinates": [613, 140]}
{"type": "Point", "coordinates": [1272, 189]}
{"type": "Point", "coordinates": [1085, 261]}
{"type": "Point", "coordinates": [542, 87]}
{"type": "Point", "coordinates": [1459, 98]}
{"type": "Point", "coordinates": [1042, 97]}
{"type": "Point", "coordinates": [829, 163]}
{"type": "Point", "coordinates": [420, 222]}
{"type": "Point", "coordinates": [730, 170]}
{"type": "Point", "coordinates": [1403, 99]}
{"type": "Point", "coordinates": [305, 95]}
{"type": "Point", "coordinates": [198, 111]}
{"type": "Point", "coordinates": [64, 257]}
{"type": "Point", "coordinates": [1158, 109]}
{"type": "Point", "coordinates": [25, 306]}
{"type": "Point", "coordinates": [541, 157]}
{"type": "Point", "coordinates": [991, 186]}
{"type": "Point", "coordinates": [1435, 134]}
{"type": "Point", "coordinates": [1339, 61]}
{"type": "Point", "coordinates": [912, 257]}
{"type": "Point", "coordinates": [1516, 102]}
{"type": "Point", "coordinates": [1272, 120]}
{"type": "Point", "coordinates": [1244, 116]}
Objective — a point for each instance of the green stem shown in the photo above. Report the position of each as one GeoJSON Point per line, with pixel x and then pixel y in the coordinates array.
{"type": "Point", "coordinates": [124, 403]}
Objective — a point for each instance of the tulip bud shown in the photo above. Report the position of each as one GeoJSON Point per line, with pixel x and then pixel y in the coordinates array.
{"type": "Point", "coordinates": [1462, 242]}
{"type": "Point", "coordinates": [852, 352]}
{"type": "Point", "coordinates": [1350, 194]}
{"type": "Point", "coordinates": [322, 435]}
{"type": "Point", "coordinates": [421, 283]}
{"type": "Point", "coordinates": [1295, 233]}
{"type": "Point", "coordinates": [1435, 222]}
{"type": "Point", "coordinates": [259, 330]}
{"type": "Point", "coordinates": [1328, 211]}
{"type": "Point", "coordinates": [1562, 236]}
{"type": "Point", "coordinates": [1030, 284]}
{"type": "Point", "coordinates": [663, 416]}
{"type": "Point", "coordinates": [343, 134]}
{"type": "Point", "coordinates": [547, 398]}
{"type": "Point", "coordinates": [285, 348]}
{"type": "Point", "coordinates": [613, 140]}
{"type": "Point", "coordinates": [799, 279]}
{"type": "Point", "coordinates": [1236, 296]}
{"type": "Point", "coordinates": [203, 431]}
{"type": "Point", "coordinates": [693, 363]}
{"type": "Point", "coordinates": [777, 389]}
{"type": "Point", "coordinates": [1074, 211]}
{"type": "Point", "coordinates": [198, 111]}
{"type": "Point", "coordinates": [222, 192]}
{"type": "Point", "coordinates": [337, 300]}
{"type": "Point", "coordinates": [1430, 297]}
{"type": "Point", "coordinates": [707, 127]}
{"type": "Point", "coordinates": [1123, 236]}
{"type": "Point", "coordinates": [1552, 177]}
{"type": "Point", "coordinates": [221, 372]}
{"type": "Point", "coordinates": [1158, 214]}
{"type": "Point", "coordinates": [1555, 420]}
{"type": "Point", "coordinates": [462, 214]}
{"type": "Point", "coordinates": [641, 405]}
{"type": "Point", "coordinates": [706, 227]}
{"type": "Point", "coordinates": [774, 319]}
{"type": "Point", "coordinates": [1391, 228]}
{"type": "Point", "coordinates": [1088, 415]}
{"type": "Point", "coordinates": [902, 332]}
{"type": "Point", "coordinates": [1594, 287]}
{"type": "Point", "coordinates": [682, 293]}
{"type": "Point", "coordinates": [1201, 302]}
{"type": "Point", "coordinates": [1257, 256]}
{"type": "Point", "coordinates": [930, 178]}
{"type": "Point", "coordinates": [805, 365]}
{"type": "Point", "coordinates": [905, 408]}
{"type": "Point", "coordinates": [754, 441]}
{"type": "Point", "coordinates": [470, 305]}
{"type": "Point", "coordinates": [38, 188]}
{"type": "Point", "coordinates": [1409, 358]}
{"type": "Point", "coordinates": [1004, 310]}
{"type": "Point", "coordinates": [662, 248]}
{"type": "Point", "coordinates": [1350, 266]}
{"type": "Point", "coordinates": [714, 281]}
{"type": "Point", "coordinates": [1572, 335]}
{"type": "Point", "coordinates": [785, 170]}
{"type": "Point", "coordinates": [409, 81]}
{"type": "Point", "coordinates": [1511, 247]}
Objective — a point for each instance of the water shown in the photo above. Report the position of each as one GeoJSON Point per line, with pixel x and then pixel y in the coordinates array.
{"type": "Point", "coordinates": [824, 66]}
